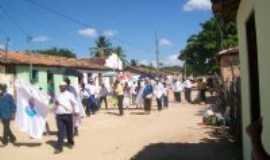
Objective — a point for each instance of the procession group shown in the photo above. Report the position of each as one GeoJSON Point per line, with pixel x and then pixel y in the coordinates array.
{"type": "Point", "coordinates": [141, 93]}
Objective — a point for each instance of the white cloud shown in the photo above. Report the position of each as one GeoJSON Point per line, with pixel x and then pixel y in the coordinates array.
{"type": "Point", "coordinates": [40, 39]}
{"type": "Point", "coordinates": [201, 5]}
{"type": "Point", "coordinates": [144, 62]}
{"type": "Point", "coordinates": [109, 33]}
{"type": "Point", "coordinates": [171, 60]}
{"type": "Point", "coordinates": [2, 46]}
{"type": "Point", "coordinates": [88, 32]}
{"type": "Point", "coordinates": [165, 42]}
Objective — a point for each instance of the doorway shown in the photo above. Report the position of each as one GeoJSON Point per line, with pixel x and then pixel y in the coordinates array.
{"type": "Point", "coordinates": [254, 86]}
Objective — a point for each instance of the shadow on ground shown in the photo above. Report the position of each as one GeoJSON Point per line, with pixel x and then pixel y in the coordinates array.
{"type": "Point", "coordinates": [27, 144]}
{"type": "Point", "coordinates": [113, 113]}
{"type": "Point", "coordinates": [22, 144]}
{"type": "Point", "coordinates": [218, 146]}
{"type": "Point", "coordinates": [205, 150]}
{"type": "Point", "coordinates": [139, 113]}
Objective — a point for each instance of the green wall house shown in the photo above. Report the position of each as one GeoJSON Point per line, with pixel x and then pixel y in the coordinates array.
{"type": "Point", "coordinates": [43, 71]}
{"type": "Point", "coordinates": [40, 76]}
{"type": "Point", "coordinates": [254, 36]}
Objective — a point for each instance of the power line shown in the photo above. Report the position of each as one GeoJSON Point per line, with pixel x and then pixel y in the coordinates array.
{"type": "Point", "coordinates": [12, 20]}
{"type": "Point", "coordinates": [53, 11]}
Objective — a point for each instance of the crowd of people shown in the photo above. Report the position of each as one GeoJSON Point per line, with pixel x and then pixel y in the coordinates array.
{"type": "Point", "coordinates": [141, 94]}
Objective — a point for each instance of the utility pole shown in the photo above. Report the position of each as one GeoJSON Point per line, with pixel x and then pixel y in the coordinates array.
{"type": "Point", "coordinates": [157, 49]}
{"type": "Point", "coordinates": [28, 40]}
{"type": "Point", "coordinates": [185, 70]}
{"type": "Point", "coordinates": [6, 48]}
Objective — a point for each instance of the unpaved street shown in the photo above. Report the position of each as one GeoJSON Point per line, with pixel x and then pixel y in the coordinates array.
{"type": "Point", "coordinates": [174, 133]}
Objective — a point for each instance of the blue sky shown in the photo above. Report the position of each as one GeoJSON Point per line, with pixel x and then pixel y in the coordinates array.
{"type": "Point", "coordinates": [129, 23]}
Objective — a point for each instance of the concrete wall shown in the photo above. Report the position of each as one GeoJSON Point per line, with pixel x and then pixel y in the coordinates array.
{"type": "Point", "coordinates": [23, 72]}
{"type": "Point", "coordinates": [229, 67]}
{"type": "Point", "coordinates": [8, 79]}
{"type": "Point", "coordinates": [262, 11]}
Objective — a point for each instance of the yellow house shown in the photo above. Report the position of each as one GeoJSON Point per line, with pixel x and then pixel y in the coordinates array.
{"type": "Point", "coordinates": [253, 25]}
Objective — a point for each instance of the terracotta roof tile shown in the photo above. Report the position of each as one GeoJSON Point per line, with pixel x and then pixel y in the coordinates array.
{"type": "Point", "coordinates": [50, 61]}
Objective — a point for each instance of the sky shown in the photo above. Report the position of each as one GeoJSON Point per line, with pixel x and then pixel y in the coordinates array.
{"type": "Point", "coordinates": [131, 24]}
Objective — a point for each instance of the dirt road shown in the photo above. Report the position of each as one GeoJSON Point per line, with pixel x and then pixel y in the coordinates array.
{"type": "Point", "coordinates": [171, 134]}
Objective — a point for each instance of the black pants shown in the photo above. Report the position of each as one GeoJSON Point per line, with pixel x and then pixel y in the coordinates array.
{"type": "Point", "coordinates": [133, 99]}
{"type": "Point", "coordinates": [159, 103]}
{"type": "Point", "coordinates": [64, 125]}
{"type": "Point", "coordinates": [165, 101]}
{"type": "Point", "coordinates": [188, 95]}
{"type": "Point", "coordinates": [85, 102]}
{"type": "Point", "coordinates": [103, 98]}
{"type": "Point", "coordinates": [92, 105]}
{"type": "Point", "coordinates": [7, 133]}
{"type": "Point", "coordinates": [147, 104]}
{"type": "Point", "coordinates": [174, 95]}
{"type": "Point", "coordinates": [202, 96]}
{"type": "Point", "coordinates": [120, 104]}
{"type": "Point", "coordinates": [178, 97]}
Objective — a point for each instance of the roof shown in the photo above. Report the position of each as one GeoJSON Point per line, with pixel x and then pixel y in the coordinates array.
{"type": "Point", "coordinates": [234, 50]}
{"type": "Point", "coordinates": [229, 51]}
{"type": "Point", "coordinates": [48, 61]}
{"type": "Point", "coordinates": [98, 60]}
{"type": "Point", "coordinates": [226, 9]}
{"type": "Point", "coordinates": [143, 70]}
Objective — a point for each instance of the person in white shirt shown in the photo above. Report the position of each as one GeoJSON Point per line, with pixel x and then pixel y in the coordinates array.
{"type": "Point", "coordinates": [133, 93]}
{"type": "Point", "coordinates": [84, 95]}
{"type": "Point", "coordinates": [166, 95]}
{"type": "Point", "coordinates": [91, 87]}
{"type": "Point", "coordinates": [158, 92]}
{"type": "Point", "coordinates": [188, 86]}
{"type": "Point", "coordinates": [92, 103]}
{"type": "Point", "coordinates": [65, 107]}
{"type": "Point", "coordinates": [76, 117]}
{"type": "Point", "coordinates": [139, 94]}
{"type": "Point", "coordinates": [178, 88]}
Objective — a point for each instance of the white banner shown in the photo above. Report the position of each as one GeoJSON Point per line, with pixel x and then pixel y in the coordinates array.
{"type": "Point", "coordinates": [32, 109]}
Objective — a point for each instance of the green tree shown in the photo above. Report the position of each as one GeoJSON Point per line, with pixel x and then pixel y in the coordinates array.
{"type": "Point", "coordinates": [120, 53]}
{"type": "Point", "coordinates": [63, 52]}
{"type": "Point", "coordinates": [103, 47]}
{"type": "Point", "coordinates": [133, 62]}
{"type": "Point", "coordinates": [199, 55]}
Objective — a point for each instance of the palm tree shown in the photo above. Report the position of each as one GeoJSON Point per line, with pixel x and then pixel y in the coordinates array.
{"type": "Point", "coordinates": [120, 53]}
{"type": "Point", "coordinates": [103, 47]}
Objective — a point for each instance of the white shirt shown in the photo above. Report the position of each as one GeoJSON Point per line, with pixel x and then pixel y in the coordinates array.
{"type": "Point", "coordinates": [133, 89]}
{"type": "Point", "coordinates": [178, 86]}
{"type": "Point", "coordinates": [188, 84]}
{"type": "Point", "coordinates": [159, 90]}
{"type": "Point", "coordinates": [67, 103]}
{"type": "Point", "coordinates": [84, 93]}
{"type": "Point", "coordinates": [92, 89]}
{"type": "Point", "coordinates": [166, 91]}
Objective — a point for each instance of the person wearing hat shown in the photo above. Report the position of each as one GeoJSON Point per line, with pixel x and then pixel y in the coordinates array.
{"type": "Point", "coordinates": [64, 109]}
{"type": "Point", "coordinates": [7, 113]}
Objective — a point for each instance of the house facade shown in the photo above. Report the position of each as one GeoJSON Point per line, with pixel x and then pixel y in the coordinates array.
{"type": "Point", "coordinates": [229, 65]}
{"type": "Point", "coordinates": [43, 71]}
{"type": "Point", "coordinates": [254, 35]}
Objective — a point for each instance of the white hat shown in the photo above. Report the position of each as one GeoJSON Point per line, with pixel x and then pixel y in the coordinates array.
{"type": "Point", "coordinates": [62, 84]}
